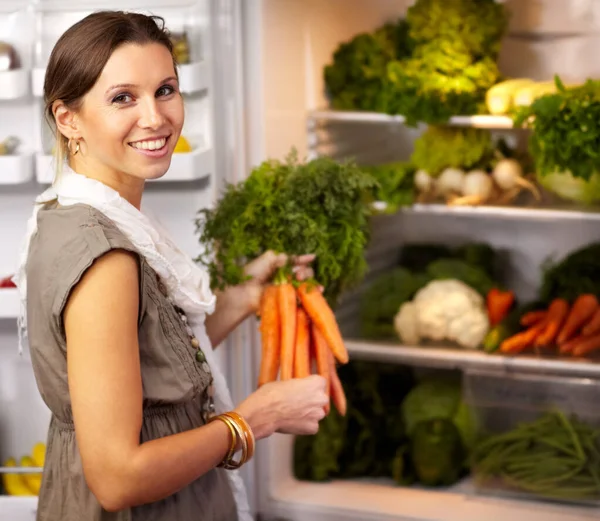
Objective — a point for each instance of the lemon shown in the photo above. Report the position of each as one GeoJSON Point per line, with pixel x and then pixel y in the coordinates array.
{"type": "Point", "coordinates": [182, 146]}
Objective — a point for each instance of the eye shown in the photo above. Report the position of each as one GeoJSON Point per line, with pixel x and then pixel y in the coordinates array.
{"type": "Point", "coordinates": [165, 90]}
{"type": "Point", "coordinates": [122, 98]}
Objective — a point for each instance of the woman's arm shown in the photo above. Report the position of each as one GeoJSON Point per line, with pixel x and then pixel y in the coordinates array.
{"type": "Point", "coordinates": [234, 305]}
{"type": "Point", "coordinates": [101, 320]}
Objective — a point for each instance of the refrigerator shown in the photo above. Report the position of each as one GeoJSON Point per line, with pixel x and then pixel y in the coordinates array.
{"type": "Point", "coordinates": [253, 89]}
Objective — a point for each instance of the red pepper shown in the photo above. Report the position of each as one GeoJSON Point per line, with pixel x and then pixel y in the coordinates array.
{"type": "Point", "coordinates": [499, 304]}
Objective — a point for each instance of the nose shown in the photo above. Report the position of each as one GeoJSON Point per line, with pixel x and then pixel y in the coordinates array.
{"type": "Point", "coordinates": [151, 116]}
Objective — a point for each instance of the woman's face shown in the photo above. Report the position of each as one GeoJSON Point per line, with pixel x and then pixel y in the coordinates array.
{"type": "Point", "coordinates": [131, 119]}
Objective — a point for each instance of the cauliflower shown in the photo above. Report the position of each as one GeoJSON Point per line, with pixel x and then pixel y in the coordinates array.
{"type": "Point", "coordinates": [444, 310]}
{"type": "Point", "coordinates": [406, 322]}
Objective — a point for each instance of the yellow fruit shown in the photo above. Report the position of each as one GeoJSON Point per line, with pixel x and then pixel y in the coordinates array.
{"type": "Point", "coordinates": [14, 484]}
{"type": "Point", "coordinates": [39, 454]}
{"type": "Point", "coordinates": [33, 481]}
{"type": "Point", "coordinates": [528, 94]}
{"type": "Point", "coordinates": [182, 146]}
{"type": "Point", "coordinates": [499, 97]}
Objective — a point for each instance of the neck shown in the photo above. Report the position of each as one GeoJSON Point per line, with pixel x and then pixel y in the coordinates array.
{"type": "Point", "coordinates": [129, 188]}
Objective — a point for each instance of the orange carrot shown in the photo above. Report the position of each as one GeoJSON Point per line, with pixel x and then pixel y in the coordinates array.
{"type": "Point", "coordinates": [587, 345]}
{"type": "Point", "coordinates": [270, 328]}
{"type": "Point", "coordinates": [568, 347]}
{"type": "Point", "coordinates": [557, 314]}
{"type": "Point", "coordinates": [583, 309]}
{"type": "Point", "coordinates": [302, 354]}
{"type": "Point", "coordinates": [287, 312]}
{"type": "Point", "coordinates": [521, 341]}
{"type": "Point", "coordinates": [321, 353]}
{"type": "Point", "coordinates": [337, 391]}
{"type": "Point", "coordinates": [322, 316]}
{"type": "Point", "coordinates": [593, 326]}
{"type": "Point", "coordinates": [533, 317]}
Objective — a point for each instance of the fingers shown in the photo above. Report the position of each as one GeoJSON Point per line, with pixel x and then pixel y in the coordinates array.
{"type": "Point", "coordinates": [303, 260]}
{"type": "Point", "coordinates": [303, 272]}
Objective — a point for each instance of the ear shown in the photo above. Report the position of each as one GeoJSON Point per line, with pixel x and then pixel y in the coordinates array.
{"type": "Point", "coordinates": [65, 119]}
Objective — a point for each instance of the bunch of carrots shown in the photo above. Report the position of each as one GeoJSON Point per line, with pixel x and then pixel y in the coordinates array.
{"type": "Point", "coordinates": [300, 335]}
{"type": "Point", "coordinates": [573, 329]}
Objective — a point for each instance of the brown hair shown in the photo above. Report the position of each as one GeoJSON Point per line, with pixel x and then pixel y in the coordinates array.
{"type": "Point", "coordinates": [82, 52]}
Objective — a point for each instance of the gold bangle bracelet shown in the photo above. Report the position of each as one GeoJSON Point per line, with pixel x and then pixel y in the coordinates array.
{"type": "Point", "coordinates": [234, 438]}
{"type": "Point", "coordinates": [248, 434]}
{"type": "Point", "coordinates": [230, 464]}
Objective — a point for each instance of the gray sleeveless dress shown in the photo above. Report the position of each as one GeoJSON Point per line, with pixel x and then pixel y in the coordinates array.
{"type": "Point", "coordinates": [67, 242]}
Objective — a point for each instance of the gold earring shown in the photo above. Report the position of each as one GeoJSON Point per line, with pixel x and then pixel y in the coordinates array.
{"type": "Point", "coordinates": [73, 152]}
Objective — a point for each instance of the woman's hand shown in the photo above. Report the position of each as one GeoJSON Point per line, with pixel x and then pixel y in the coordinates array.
{"type": "Point", "coordinates": [291, 407]}
{"type": "Point", "coordinates": [263, 268]}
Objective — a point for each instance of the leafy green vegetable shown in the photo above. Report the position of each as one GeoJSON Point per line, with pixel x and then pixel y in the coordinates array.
{"type": "Point", "coordinates": [383, 299]}
{"type": "Point", "coordinates": [438, 62]}
{"type": "Point", "coordinates": [454, 61]}
{"type": "Point", "coordinates": [566, 130]}
{"type": "Point", "coordinates": [438, 398]}
{"type": "Point", "coordinates": [365, 441]}
{"type": "Point", "coordinates": [576, 274]}
{"type": "Point", "coordinates": [441, 147]}
{"type": "Point", "coordinates": [438, 454]}
{"type": "Point", "coordinates": [417, 256]}
{"type": "Point", "coordinates": [355, 80]}
{"type": "Point", "coordinates": [480, 255]}
{"type": "Point", "coordinates": [419, 92]}
{"type": "Point", "coordinates": [572, 188]}
{"type": "Point", "coordinates": [457, 269]}
{"type": "Point", "coordinates": [319, 207]}
{"type": "Point", "coordinates": [396, 184]}
{"type": "Point", "coordinates": [475, 26]}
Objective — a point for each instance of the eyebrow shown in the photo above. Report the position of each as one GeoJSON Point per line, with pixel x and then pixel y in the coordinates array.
{"type": "Point", "coordinates": [132, 85]}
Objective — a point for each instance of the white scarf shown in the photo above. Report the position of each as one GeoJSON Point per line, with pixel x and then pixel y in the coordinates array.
{"type": "Point", "coordinates": [187, 284]}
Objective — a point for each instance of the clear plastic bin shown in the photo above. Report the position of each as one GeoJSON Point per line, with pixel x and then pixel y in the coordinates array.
{"type": "Point", "coordinates": [502, 402]}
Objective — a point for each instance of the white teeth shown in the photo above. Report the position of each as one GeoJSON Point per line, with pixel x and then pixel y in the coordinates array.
{"type": "Point", "coordinates": [157, 144]}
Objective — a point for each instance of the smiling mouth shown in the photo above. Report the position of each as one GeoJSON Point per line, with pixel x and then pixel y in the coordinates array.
{"type": "Point", "coordinates": [150, 144]}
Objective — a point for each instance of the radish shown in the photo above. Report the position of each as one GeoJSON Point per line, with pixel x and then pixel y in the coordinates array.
{"type": "Point", "coordinates": [508, 175]}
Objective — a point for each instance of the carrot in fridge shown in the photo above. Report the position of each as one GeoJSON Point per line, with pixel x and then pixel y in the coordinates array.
{"type": "Point", "coordinates": [287, 313]}
{"type": "Point", "coordinates": [587, 345]}
{"type": "Point", "coordinates": [567, 348]}
{"type": "Point", "coordinates": [593, 326]}
{"type": "Point", "coordinates": [321, 354]}
{"type": "Point", "coordinates": [533, 317]}
{"type": "Point", "coordinates": [521, 341]}
{"type": "Point", "coordinates": [338, 397]}
{"type": "Point", "coordinates": [322, 316]}
{"type": "Point", "coordinates": [557, 314]}
{"type": "Point", "coordinates": [302, 350]}
{"type": "Point", "coordinates": [270, 328]}
{"type": "Point", "coordinates": [583, 309]}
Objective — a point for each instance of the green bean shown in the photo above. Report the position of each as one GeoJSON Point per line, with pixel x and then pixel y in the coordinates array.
{"type": "Point", "coordinates": [567, 425]}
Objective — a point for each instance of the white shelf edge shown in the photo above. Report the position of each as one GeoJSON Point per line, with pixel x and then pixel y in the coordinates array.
{"type": "Point", "coordinates": [357, 500]}
{"type": "Point", "coordinates": [504, 212]}
{"type": "Point", "coordinates": [9, 303]}
{"type": "Point", "coordinates": [37, 81]}
{"type": "Point", "coordinates": [194, 77]}
{"type": "Point", "coordinates": [478, 121]}
{"type": "Point", "coordinates": [190, 166]}
{"type": "Point", "coordinates": [14, 84]}
{"type": "Point", "coordinates": [21, 470]}
{"type": "Point", "coordinates": [16, 169]}
{"type": "Point", "coordinates": [455, 358]}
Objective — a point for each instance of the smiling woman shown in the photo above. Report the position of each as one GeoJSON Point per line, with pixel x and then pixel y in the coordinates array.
{"type": "Point", "coordinates": [114, 115]}
{"type": "Point", "coordinates": [121, 323]}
